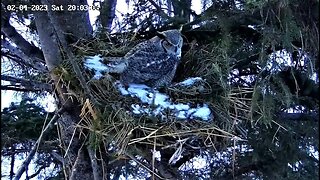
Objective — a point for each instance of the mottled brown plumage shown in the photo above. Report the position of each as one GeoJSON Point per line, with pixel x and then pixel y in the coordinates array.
{"type": "Point", "coordinates": [152, 62]}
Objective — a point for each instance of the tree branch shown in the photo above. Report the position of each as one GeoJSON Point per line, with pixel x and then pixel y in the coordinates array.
{"type": "Point", "coordinates": [25, 164]}
{"type": "Point", "coordinates": [97, 174]}
{"type": "Point", "coordinates": [38, 171]}
{"type": "Point", "coordinates": [24, 85]}
{"type": "Point", "coordinates": [21, 58]}
{"type": "Point", "coordinates": [10, 88]}
{"type": "Point", "coordinates": [9, 31]}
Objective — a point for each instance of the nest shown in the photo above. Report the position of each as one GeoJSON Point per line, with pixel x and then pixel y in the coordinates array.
{"type": "Point", "coordinates": [111, 123]}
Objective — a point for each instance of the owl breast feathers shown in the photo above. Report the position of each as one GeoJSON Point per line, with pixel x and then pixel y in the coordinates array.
{"type": "Point", "coordinates": [152, 62]}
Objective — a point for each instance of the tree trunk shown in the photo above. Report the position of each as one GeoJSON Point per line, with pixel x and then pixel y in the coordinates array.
{"type": "Point", "coordinates": [182, 9]}
{"type": "Point", "coordinates": [77, 161]}
{"type": "Point", "coordinates": [75, 24]}
{"type": "Point", "coordinates": [107, 13]}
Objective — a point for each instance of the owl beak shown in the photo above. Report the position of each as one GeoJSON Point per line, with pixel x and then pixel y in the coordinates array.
{"type": "Point", "coordinates": [179, 53]}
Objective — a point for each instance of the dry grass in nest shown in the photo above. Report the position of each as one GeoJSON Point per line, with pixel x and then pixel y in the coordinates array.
{"type": "Point", "coordinates": [113, 124]}
{"type": "Point", "coordinates": [123, 130]}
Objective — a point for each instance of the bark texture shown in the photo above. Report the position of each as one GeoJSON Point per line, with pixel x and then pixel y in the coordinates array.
{"type": "Point", "coordinates": [77, 161]}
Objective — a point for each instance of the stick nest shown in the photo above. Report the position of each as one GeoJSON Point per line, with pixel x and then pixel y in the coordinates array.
{"type": "Point", "coordinates": [110, 122]}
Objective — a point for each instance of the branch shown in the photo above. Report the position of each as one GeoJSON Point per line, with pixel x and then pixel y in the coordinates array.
{"type": "Point", "coordinates": [38, 171]}
{"type": "Point", "coordinates": [58, 157]}
{"type": "Point", "coordinates": [21, 84]}
{"type": "Point", "coordinates": [159, 10]}
{"type": "Point", "coordinates": [18, 89]}
{"type": "Point", "coordinates": [26, 163]}
{"type": "Point", "coordinates": [9, 31]}
{"type": "Point", "coordinates": [35, 63]}
{"type": "Point", "coordinates": [94, 164]}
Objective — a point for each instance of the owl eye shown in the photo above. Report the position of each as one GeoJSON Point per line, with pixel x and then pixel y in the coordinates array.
{"type": "Point", "coordinates": [167, 44]}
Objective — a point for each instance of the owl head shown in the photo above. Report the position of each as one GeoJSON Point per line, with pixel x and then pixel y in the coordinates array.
{"type": "Point", "coordinates": [171, 41]}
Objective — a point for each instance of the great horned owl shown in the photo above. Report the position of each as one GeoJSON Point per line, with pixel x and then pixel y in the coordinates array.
{"type": "Point", "coordinates": [152, 62]}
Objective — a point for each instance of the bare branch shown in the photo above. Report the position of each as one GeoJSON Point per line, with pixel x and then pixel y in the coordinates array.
{"type": "Point", "coordinates": [34, 62]}
{"type": "Point", "coordinates": [38, 171]}
{"type": "Point", "coordinates": [24, 85]}
{"type": "Point", "coordinates": [10, 32]}
{"type": "Point", "coordinates": [58, 157]}
{"type": "Point", "coordinates": [95, 166]}
{"type": "Point", "coordinates": [18, 89]}
{"type": "Point", "coordinates": [159, 10]}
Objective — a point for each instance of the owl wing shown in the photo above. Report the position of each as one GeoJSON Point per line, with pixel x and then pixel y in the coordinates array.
{"type": "Point", "coordinates": [156, 66]}
{"type": "Point", "coordinates": [158, 71]}
{"type": "Point", "coordinates": [151, 65]}
{"type": "Point", "coordinates": [141, 47]}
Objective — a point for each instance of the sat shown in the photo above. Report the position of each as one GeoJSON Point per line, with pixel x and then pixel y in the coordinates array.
{"type": "Point", "coordinates": [56, 7]}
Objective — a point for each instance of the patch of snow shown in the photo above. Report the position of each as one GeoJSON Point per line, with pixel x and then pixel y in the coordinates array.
{"type": "Point", "coordinates": [202, 112]}
{"type": "Point", "coordinates": [252, 27]}
{"type": "Point", "coordinates": [190, 81]}
{"type": "Point", "coordinates": [140, 92]}
{"type": "Point", "coordinates": [94, 63]}
{"type": "Point", "coordinates": [181, 115]}
{"type": "Point", "coordinates": [181, 106]}
{"type": "Point", "coordinates": [136, 108]}
{"type": "Point", "coordinates": [162, 102]}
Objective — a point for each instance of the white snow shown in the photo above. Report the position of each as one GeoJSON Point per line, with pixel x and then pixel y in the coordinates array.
{"type": "Point", "coordinates": [162, 100]}
{"type": "Point", "coordinates": [190, 81]}
{"type": "Point", "coordinates": [156, 103]}
{"type": "Point", "coordinates": [94, 63]}
{"type": "Point", "coordinates": [202, 112]}
{"type": "Point", "coordinates": [140, 92]}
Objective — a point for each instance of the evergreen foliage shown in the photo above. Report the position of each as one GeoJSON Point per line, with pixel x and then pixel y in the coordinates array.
{"type": "Point", "coordinates": [260, 62]}
{"type": "Point", "coordinates": [22, 123]}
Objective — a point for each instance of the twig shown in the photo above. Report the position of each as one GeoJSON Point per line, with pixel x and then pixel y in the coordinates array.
{"type": "Point", "coordinates": [144, 166]}
{"type": "Point", "coordinates": [94, 164]}
{"type": "Point", "coordinates": [159, 10]}
{"type": "Point", "coordinates": [25, 164]}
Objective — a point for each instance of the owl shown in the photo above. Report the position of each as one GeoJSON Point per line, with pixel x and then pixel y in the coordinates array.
{"type": "Point", "coordinates": [152, 62]}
